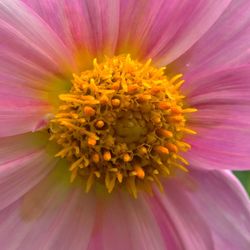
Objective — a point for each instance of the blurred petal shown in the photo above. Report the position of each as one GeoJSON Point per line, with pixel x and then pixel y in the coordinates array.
{"type": "Point", "coordinates": [128, 224]}
{"type": "Point", "coordinates": [224, 45]}
{"type": "Point", "coordinates": [225, 207]}
{"type": "Point", "coordinates": [181, 223]}
{"type": "Point", "coordinates": [91, 26]}
{"type": "Point", "coordinates": [15, 147]}
{"type": "Point", "coordinates": [222, 121]}
{"type": "Point", "coordinates": [19, 115]}
{"type": "Point", "coordinates": [159, 29]}
{"type": "Point", "coordinates": [32, 60]}
{"type": "Point", "coordinates": [51, 215]}
{"type": "Point", "coordinates": [21, 174]}
{"type": "Point", "coordinates": [164, 30]}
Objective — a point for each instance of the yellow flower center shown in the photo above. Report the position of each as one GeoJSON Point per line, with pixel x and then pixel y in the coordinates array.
{"type": "Point", "coordinates": [122, 125]}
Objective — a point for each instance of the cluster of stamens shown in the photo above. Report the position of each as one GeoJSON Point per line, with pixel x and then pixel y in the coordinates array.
{"type": "Point", "coordinates": [122, 125]}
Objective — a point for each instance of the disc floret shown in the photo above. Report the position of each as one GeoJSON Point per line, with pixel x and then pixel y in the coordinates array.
{"type": "Point", "coordinates": [122, 125]}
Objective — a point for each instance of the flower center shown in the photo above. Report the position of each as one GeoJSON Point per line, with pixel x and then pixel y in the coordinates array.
{"type": "Point", "coordinates": [122, 125]}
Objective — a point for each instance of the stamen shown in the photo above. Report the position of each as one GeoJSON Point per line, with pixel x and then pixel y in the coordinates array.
{"type": "Point", "coordinates": [122, 124]}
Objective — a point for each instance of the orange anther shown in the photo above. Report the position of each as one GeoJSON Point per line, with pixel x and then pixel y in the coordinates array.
{"type": "Point", "coordinates": [116, 86]}
{"type": "Point", "coordinates": [104, 99]}
{"type": "Point", "coordinates": [164, 105]}
{"type": "Point", "coordinates": [95, 158]}
{"type": "Point", "coordinates": [172, 147]}
{"type": "Point", "coordinates": [100, 124]}
{"type": "Point", "coordinates": [115, 102]}
{"type": "Point", "coordinates": [139, 171]}
{"type": "Point", "coordinates": [161, 150]}
{"type": "Point", "coordinates": [88, 111]}
{"type": "Point", "coordinates": [143, 150]}
{"type": "Point", "coordinates": [164, 133]}
{"type": "Point", "coordinates": [127, 157]}
{"type": "Point", "coordinates": [144, 98]}
{"type": "Point", "coordinates": [91, 141]}
{"type": "Point", "coordinates": [176, 110]}
{"type": "Point", "coordinates": [178, 118]}
{"type": "Point", "coordinates": [107, 156]}
{"type": "Point", "coordinates": [156, 89]}
{"type": "Point", "coordinates": [156, 119]}
{"type": "Point", "coordinates": [133, 88]}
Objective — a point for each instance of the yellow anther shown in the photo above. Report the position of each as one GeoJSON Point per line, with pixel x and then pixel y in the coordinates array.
{"type": "Point", "coordinates": [119, 177]}
{"type": "Point", "coordinates": [143, 150]}
{"type": "Point", "coordinates": [122, 125]}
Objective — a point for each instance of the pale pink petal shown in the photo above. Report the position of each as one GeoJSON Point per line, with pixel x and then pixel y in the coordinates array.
{"type": "Point", "coordinates": [125, 223]}
{"type": "Point", "coordinates": [224, 45]}
{"type": "Point", "coordinates": [225, 207]}
{"type": "Point", "coordinates": [21, 174]}
{"type": "Point", "coordinates": [160, 29]}
{"type": "Point", "coordinates": [15, 147]}
{"type": "Point", "coordinates": [24, 34]}
{"type": "Point", "coordinates": [51, 216]}
{"type": "Point", "coordinates": [222, 121]}
{"type": "Point", "coordinates": [89, 27]}
{"type": "Point", "coordinates": [165, 30]}
{"type": "Point", "coordinates": [181, 223]}
{"type": "Point", "coordinates": [33, 60]}
{"type": "Point", "coordinates": [20, 114]}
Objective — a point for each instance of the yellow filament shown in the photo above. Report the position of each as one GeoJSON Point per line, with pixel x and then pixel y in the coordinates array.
{"type": "Point", "coordinates": [122, 125]}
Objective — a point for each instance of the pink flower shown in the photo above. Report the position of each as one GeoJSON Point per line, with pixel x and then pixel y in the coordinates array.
{"type": "Point", "coordinates": [118, 133]}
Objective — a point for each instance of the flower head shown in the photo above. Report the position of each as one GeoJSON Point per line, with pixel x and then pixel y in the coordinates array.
{"type": "Point", "coordinates": [119, 121]}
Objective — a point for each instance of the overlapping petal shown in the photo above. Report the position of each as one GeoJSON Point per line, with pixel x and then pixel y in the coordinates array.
{"type": "Point", "coordinates": [225, 44]}
{"type": "Point", "coordinates": [21, 174]}
{"type": "Point", "coordinates": [222, 121]}
{"type": "Point", "coordinates": [51, 215]}
{"type": "Point", "coordinates": [125, 223]}
{"type": "Point", "coordinates": [159, 29]}
{"type": "Point", "coordinates": [225, 207]}
{"type": "Point", "coordinates": [32, 61]}
{"type": "Point", "coordinates": [212, 198]}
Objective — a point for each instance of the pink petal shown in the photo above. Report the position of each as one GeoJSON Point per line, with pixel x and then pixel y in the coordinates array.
{"type": "Point", "coordinates": [20, 115]}
{"type": "Point", "coordinates": [174, 28]}
{"type": "Point", "coordinates": [89, 27]}
{"type": "Point", "coordinates": [32, 61]}
{"type": "Point", "coordinates": [25, 35]}
{"type": "Point", "coordinates": [224, 45]}
{"type": "Point", "coordinates": [181, 223]}
{"type": "Point", "coordinates": [21, 174]}
{"type": "Point", "coordinates": [51, 216]}
{"type": "Point", "coordinates": [204, 210]}
{"type": "Point", "coordinates": [125, 223]}
{"type": "Point", "coordinates": [160, 29]}
{"type": "Point", "coordinates": [15, 147]}
{"type": "Point", "coordinates": [225, 207]}
{"type": "Point", "coordinates": [222, 121]}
